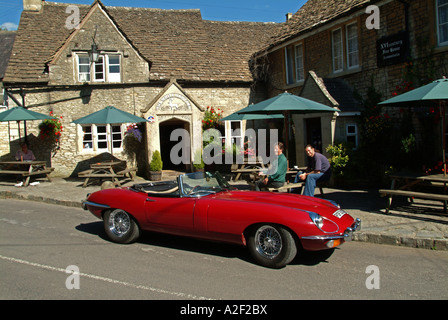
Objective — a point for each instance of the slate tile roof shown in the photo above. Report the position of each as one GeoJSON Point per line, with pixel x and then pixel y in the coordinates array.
{"type": "Point", "coordinates": [179, 43]}
{"type": "Point", "coordinates": [343, 94]}
{"type": "Point", "coordinates": [313, 14]}
{"type": "Point", "coordinates": [6, 42]}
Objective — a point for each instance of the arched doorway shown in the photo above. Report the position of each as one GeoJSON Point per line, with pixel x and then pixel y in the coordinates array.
{"type": "Point", "coordinates": [165, 130]}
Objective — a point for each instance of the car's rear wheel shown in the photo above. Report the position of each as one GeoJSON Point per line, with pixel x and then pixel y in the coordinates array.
{"type": "Point", "coordinates": [271, 246]}
{"type": "Point", "coordinates": [120, 226]}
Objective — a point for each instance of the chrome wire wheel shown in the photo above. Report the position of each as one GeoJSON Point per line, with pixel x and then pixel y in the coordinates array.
{"type": "Point", "coordinates": [120, 226]}
{"type": "Point", "coordinates": [268, 242]}
{"type": "Point", "coordinates": [119, 222]}
{"type": "Point", "coordinates": [271, 245]}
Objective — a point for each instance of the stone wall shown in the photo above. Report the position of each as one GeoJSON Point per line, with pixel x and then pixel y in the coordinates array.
{"type": "Point", "coordinates": [67, 102]}
{"type": "Point", "coordinates": [317, 46]}
{"type": "Point", "coordinates": [428, 59]}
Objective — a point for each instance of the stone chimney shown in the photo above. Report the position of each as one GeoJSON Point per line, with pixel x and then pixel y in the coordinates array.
{"type": "Point", "coordinates": [32, 5]}
{"type": "Point", "coordinates": [288, 15]}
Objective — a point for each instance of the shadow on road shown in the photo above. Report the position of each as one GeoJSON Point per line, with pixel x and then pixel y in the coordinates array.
{"type": "Point", "coordinates": [222, 250]}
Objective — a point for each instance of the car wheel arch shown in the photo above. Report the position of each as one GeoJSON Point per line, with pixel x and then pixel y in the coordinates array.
{"type": "Point", "coordinates": [252, 228]}
{"type": "Point", "coordinates": [134, 230]}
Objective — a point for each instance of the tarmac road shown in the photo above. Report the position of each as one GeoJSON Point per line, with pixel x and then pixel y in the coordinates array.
{"type": "Point", "coordinates": [38, 241]}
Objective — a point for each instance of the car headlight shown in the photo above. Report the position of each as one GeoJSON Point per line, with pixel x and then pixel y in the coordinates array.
{"type": "Point", "coordinates": [323, 224]}
{"type": "Point", "coordinates": [317, 219]}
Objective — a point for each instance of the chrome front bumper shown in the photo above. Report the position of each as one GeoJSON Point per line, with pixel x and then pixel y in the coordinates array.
{"type": "Point", "coordinates": [86, 203]}
{"type": "Point", "coordinates": [348, 233]}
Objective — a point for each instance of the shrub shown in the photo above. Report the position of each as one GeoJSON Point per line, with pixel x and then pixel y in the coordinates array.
{"type": "Point", "coordinates": [156, 163]}
{"type": "Point", "coordinates": [339, 158]}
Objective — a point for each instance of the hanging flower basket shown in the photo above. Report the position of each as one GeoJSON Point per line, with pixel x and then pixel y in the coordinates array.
{"type": "Point", "coordinates": [133, 131]}
{"type": "Point", "coordinates": [211, 118]}
{"type": "Point", "coordinates": [51, 129]}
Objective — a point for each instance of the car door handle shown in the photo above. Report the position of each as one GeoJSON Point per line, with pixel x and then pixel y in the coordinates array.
{"type": "Point", "coordinates": [150, 200]}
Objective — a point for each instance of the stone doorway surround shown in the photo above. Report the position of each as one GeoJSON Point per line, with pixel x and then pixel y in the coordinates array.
{"type": "Point", "coordinates": [173, 105]}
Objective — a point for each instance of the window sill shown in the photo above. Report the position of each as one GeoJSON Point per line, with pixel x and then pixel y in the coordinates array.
{"type": "Point", "coordinates": [98, 83]}
{"type": "Point", "coordinates": [441, 48]}
{"type": "Point", "coordinates": [294, 85]}
{"type": "Point", "coordinates": [345, 72]}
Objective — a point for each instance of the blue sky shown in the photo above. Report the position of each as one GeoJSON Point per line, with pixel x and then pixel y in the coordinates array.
{"type": "Point", "coordinates": [224, 10]}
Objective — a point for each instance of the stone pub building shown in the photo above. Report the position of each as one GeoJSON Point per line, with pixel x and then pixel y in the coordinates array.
{"type": "Point", "coordinates": [168, 66]}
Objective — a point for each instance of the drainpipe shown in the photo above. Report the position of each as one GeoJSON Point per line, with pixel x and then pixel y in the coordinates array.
{"type": "Point", "coordinates": [406, 14]}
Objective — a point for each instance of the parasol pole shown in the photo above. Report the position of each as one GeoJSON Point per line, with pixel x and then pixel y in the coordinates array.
{"type": "Point", "coordinates": [286, 128]}
{"type": "Point", "coordinates": [443, 110]}
{"type": "Point", "coordinates": [20, 136]}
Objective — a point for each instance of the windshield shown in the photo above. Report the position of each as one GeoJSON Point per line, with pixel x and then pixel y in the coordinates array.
{"type": "Point", "coordinates": [202, 183]}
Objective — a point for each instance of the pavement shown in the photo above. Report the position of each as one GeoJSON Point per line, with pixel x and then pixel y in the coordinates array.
{"type": "Point", "coordinates": [422, 224]}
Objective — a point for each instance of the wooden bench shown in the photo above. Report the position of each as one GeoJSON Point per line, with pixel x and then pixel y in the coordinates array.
{"type": "Point", "coordinates": [288, 186]}
{"type": "Point", "coordinates": [27, 174]}
{"type": "Point", "coordinates": [410, 194]}
{"type": "Point", "coordinates": [90, 173]}
{"type": "Point", "coordinates": [130, 171]}
{"type": "Point", "coordinates": [85, 173]}
{"type": "Point", "coordinates": [45, 171]}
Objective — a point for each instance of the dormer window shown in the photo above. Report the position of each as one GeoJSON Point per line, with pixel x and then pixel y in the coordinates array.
{"type": "Point", "coordinates": [106, 69]}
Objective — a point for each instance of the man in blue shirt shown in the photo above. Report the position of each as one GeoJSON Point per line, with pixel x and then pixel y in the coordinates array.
{"type": "Point", "coordinates": [318, 170]}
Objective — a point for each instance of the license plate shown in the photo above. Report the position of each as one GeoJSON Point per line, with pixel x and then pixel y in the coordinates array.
{"type": "Point", "coordinates": [339, 213]}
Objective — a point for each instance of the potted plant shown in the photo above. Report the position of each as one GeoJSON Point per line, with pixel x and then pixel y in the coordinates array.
{"type": "Point", "coordinates": [155, 167]}
{"type": "Point", "coordinates": [198, 165]}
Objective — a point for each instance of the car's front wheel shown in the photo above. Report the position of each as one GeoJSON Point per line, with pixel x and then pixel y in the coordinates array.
{"type": "Point", "coordinates": [120, 226]}
{"type": "Point", "coordinates": [271, 246]}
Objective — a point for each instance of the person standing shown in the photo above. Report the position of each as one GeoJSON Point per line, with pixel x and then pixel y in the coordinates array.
{"type": "Point", "coordinates": [318, 170]}
{"type": "Point", "coordinates": [275, 176]}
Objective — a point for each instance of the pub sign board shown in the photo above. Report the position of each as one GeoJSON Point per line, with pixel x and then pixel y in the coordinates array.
{"type": "Point", "coordinates": [392, 49]}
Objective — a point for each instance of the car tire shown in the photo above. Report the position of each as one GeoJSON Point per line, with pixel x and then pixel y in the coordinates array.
{"type": "Point", "coordinates": [120, 226]}
{"type": "Point", "coordinates": [271, 246]}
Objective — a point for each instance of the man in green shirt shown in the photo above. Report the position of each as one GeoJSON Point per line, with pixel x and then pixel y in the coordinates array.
{"type": "Point", "coordinates": [275, 176]}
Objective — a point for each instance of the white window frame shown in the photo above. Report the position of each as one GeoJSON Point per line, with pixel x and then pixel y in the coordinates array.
{"type": "Point", "coordinates": [335, 44]}
{"type": "Point", "coordinates": [350, 64]}
{"type": "Point", "coordinates": [94, 69]}
{"type": "Point", "coordinates": [294, 64]}
{"type": "Point", "coordinates": [83, 76]}
{"type": "Point", "coordinates": [108, 138]}
{"type": "Point", "coordinates": [102, 137]}
{"type": "Point", "coordinates": [441, 23]}
{"type": "Point", "coordinates": [95, 66]}
{"type": "Point", "coordinates": [289, 65]}
{"type": "Point", "coordinates": [300, 67]}
{"type": "Point", "coordinates": [113, 76]}
{"type": "Point", "coordinates": [352, 134]}
{"type": "Point", "coordinates": [232, 134]}
{"type": "Point", "coordinates": [117, 135]}
{"type": "Point", "coordinates": [87, 144]}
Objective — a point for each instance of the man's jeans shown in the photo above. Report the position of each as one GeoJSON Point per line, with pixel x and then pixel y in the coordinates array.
{"type": "Point", "coordinates": [311, 181]}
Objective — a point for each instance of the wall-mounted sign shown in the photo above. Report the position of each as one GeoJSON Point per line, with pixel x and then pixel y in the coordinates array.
{"type": "Point", "coordinates": [173, 102]}
{"type": "Point", "coordinates": [392, 49]}
{"type": "Point", "coordinates": [151, 119]}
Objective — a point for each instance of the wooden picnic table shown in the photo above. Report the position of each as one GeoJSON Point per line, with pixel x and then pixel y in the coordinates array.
{"type": "Point", "coordinates": [26, 169]}
{"type": "Point", "coordinates": [410, 180]}
{"type": "Point", "coordinates": [290, 173]}
{"type": "Point", "coordinates": [108, 169]}
{"type": "Point", "coordinates": [247, 167]}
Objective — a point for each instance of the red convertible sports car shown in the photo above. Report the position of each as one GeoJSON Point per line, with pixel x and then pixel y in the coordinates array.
{"type": "Point", "coordinates": [274, 226]}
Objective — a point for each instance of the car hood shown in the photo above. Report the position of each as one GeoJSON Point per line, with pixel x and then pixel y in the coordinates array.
{"type": "Point", "coordinates": [289, 200]}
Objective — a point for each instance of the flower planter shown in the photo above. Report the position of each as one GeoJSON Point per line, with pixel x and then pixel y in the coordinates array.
{"type": "Point", "coordinates": [155, 175]}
